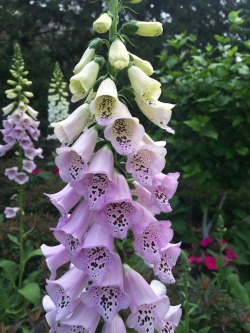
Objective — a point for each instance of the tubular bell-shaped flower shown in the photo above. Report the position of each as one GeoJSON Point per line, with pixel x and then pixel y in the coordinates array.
{"type": "Point", "coordinates": [145, 163]}
{"type": "Point", "coordinates": [145, 87]}
{"type": "Point", "coordinates": [71, 234]}
{"type": "Point", "coordinates": [119, 212]}
{"type": "Point", "coordinates": [106, 105]}
{"type": "Point", "coordinates": [97, 184]}
{"type": "Point", "coordinates": [97, 256]}
{"type": "Point", "coordinates": [72, 161]}
{"type": "Point", "coordinates": [82, 320]}
{"type": "Point", "coordinates": [157, 112]}
{"type": "Point", "coordinates": [163, 189]}
{"type": "Point", "coordinates": [109, 297]}
{"type": "Point", "coordinates": [169, 256]}
{"type": "Point", "coordinates": [147, 309]}
{"type": "Point", "coordinates": [64, 200]}
{"type": "Point", "coordinates": [152, 240]}
{"type": "Point", "coordinates": [70, 128]}
{"type": "Point", "coordinates": [64, 293]}
{"type": "Point", "coordinates": [55, 256]}
{"type": "Point", "coordinates": [124, 134]}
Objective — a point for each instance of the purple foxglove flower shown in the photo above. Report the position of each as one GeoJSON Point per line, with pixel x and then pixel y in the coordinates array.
{"type": "Point", "coordinates": [144, 198]}
{"type": "Point", "coordinates": [71, 234]}
{"type": "Point", "coordinates": [18, 132]}
{"type": "Point", "coordinates": [120, 212]}
{"type": "Point", "coordinates": [11, 172]}
{"type": "Point", "coordinates": [70, 128]}
{"type": "Point", "coordinates": [124, 134]}
{"type": "Point", "coordinates": [145, 163]}
{"type": "Point", "coordinates": [25, 142]}
{"type": "Point", "coordinates": [56, 256]}
{"type": "Point", "coordinates": [34, 132]}
{"type": "Point", "coordinates": [64, 200]}
{"type": "Point", "coordinates": [155, 237]}
{"type": "Point", "coordinates": [5, 148]}
{"type": "Point", "coordinates": [21, 178]}
{"type": "Point", "coordinates": [72, 161]}
{"type": "Point", "coordinates": [97, 256]}
{"type": "Point", "coordinates": [115, 326]}
{"type": "Point", "coordinates": [28, 166]}
{"type": "Point", "coordinates": [108, 298]}
{"type": "Point", "coordinates": [106, 105]}
{"type": "Point", "coordinates": [51, 311]}
{"type": "Point", "coordinates": [97, 183]}
{"type": "Point", "coordinates": [147, 309]}
{"type": "Point", "coordinates": [82, 320]}
{"type": "Point", "coordinates": [171, 320]}
{"type": "Point", "coordinates": [7, 125]}
{"type": "Point", "coordinates": [31, 153]}
{"type": "Point", "coordinates": [169, 256]}
{"type": "Point", "coordinates": [15, 117]}
{"type": "Point", "coordinates": [11, 212]}
{"type": "Point", "coordinates": [65, 291]}
{"type": "Point", "coordinates": [163, 189]}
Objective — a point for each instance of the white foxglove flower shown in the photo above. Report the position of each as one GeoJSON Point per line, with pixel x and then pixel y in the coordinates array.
{"type": "Point", "coordinates": [118, 55]}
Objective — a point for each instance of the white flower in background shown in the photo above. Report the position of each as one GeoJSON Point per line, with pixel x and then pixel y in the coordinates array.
{"type": "Point", "coordinates": [58, 106]}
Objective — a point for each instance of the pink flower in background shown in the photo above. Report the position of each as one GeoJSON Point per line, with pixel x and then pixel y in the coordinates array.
{"type": "Point", "coordinates": [210, 263]}
{"type": "Point", "coordinates": [194, 260]}
{"type": "Point", "coordinates": [231, 254]}
{"type": "Point", "coordinates": [36, 171]}
{"type": "Point", "coordinates": [206, 241]}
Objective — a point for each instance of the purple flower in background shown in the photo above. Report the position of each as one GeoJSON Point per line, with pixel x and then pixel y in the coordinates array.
{"type": "Point", "coordinates": [11, 212]}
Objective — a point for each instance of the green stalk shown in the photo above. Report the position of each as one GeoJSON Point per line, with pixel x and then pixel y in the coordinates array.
{"type": "Point", "coordinates": [114, 9]}
{"type": "Point", "coordinates": [21, 232]}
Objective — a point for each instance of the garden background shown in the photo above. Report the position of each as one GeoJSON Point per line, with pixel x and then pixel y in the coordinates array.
{"type": "Point", "coordinates": [203, 63]}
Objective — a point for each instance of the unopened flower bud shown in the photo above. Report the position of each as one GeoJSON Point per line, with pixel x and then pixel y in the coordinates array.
{"type": "Point", "coordinates": [28, 94]}
{"type": "Point", "coordinates": [102, 24]}
{"type": "Point", "coordinates": [144, 65]}
{"type": "Point", "coordinates": [11, 82]}
{"type": "Point", "coordinates": [18, 88]}
{"type": "Point", "coordinates": [118, 55]}
{"type": "Point", "coordinates": [141, 28]}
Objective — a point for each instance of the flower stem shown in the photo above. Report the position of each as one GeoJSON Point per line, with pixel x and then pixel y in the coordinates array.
{"type": "Point", "coordinates": [21, 232]}
{"type": "Point", "coordinates": [114, 9]}
{"type": "Point", "coordinates": [20, 223]}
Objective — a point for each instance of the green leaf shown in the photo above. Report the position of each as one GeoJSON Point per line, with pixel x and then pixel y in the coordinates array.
{"type": "Point", "coordinates": [31, 292]}
{"type": "Point", "coordinates": [10, 269]}
{"type": "Point", "coordinates": [31, 254]}
{"type": "Point", "coordinates": [236, 289]}
{"type": "Point", "coordinates": [13, 239]}
{"type": "Point", "coordinates": [202, 61]}
{"type": "Point", "coordinates": [26, 330]}
{"type": "Point", "coordinates": [222, 39]}
{"type": "Point", "coordinates": [232, 51]}
{"type": "Point", "coordinates": [204, 330]}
